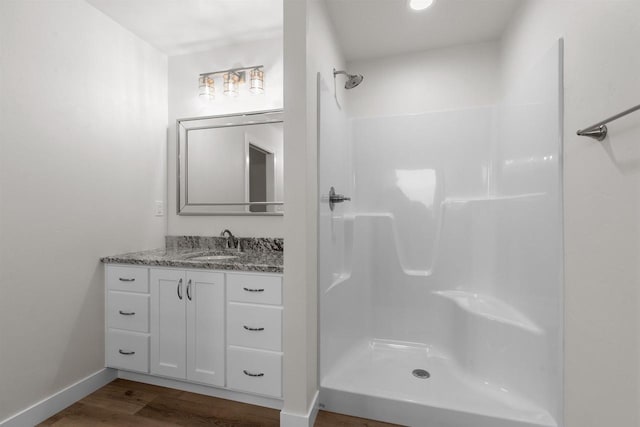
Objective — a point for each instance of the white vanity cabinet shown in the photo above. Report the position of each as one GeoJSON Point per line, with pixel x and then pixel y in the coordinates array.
{"type": "Point", "coordinates": [127, 318]}
{"type": "Point", "coordinates": [213, 328]}
{"type": "Point", "coordinates": [187, 325]}
{"type": "Point", "coordinates": [254, 333]}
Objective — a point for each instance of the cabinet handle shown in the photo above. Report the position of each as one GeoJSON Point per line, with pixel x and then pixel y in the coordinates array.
{"type": "Point", "coordinates": [252, 375]}
{"type": "Point", "coordinates": [179, 290]}
{"type": "Point", "coordinates": [126, 353]}
{"type": "Point", "coordinates": [189, 289]}
{"type": "Point", "coordinates": [253, 329]}
{"type": "Point", "coordinates": [127, 313]}
{"type": "Point", "coordinates": [253, 290]}
{"type": "Point", "coordinates": [125, 279]}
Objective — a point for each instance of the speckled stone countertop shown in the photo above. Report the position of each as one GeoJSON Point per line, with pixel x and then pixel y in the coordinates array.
{"type": "Point", "coordinates": [258, 254]}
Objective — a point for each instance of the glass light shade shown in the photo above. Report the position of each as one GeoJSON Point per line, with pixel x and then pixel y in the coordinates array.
{"type": "Point", "coordinates": [257, 81]}
{"type": "Point", "coordinates": [207, 87]}
{"type": "Point", "coordinates": [231, 81]}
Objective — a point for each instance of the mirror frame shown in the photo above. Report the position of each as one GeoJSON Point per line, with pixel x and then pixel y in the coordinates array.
{"type": "Point", "coordinates": [183, 127]}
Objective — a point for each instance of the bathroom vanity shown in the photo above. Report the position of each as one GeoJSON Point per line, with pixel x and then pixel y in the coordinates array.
{"type": "Point", "coordinates": [199, 317]}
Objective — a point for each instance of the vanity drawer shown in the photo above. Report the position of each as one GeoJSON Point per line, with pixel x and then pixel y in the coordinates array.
{"type": "Point", "coordinates": [254, 326]}
{"type": "Point", "coordinates": [254, 371]}
{"type": "Point", "coordinates": [132, 279]}
{"type": "Point", "coordinates": [126, 310]}
{"type": "Point", "coordinates": [127, 350]}
{"type": "Point", "coordinates": [254, 288]}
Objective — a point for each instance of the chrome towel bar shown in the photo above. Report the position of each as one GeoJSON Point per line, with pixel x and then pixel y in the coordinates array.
{"type": "Point", "coordinates": [599, 130]}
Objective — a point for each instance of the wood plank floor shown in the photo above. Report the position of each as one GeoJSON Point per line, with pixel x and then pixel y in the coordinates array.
{"type": "Point", "coordinates": [123, 403]}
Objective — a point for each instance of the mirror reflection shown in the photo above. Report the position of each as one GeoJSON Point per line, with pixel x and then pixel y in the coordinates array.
{"type": "Point", "coordinates": [231, 165]}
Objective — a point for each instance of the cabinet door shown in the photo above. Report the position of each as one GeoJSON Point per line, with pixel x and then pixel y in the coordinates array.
{"type": "Point", "coordinates": [168, 323]}
{"type": "Point", "coordinates": [205, 327]}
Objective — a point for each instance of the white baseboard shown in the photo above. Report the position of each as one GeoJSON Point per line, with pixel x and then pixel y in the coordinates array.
{"type": "Point", "coordinates": [238, 396]}
{"type": "Point", "coordinates": [288, 419]}
{"type": "Point", "coordinates": [55, 403]}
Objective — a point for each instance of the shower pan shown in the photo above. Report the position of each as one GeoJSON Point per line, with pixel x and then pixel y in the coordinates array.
{"type": "Point", "coordinates": [440, 281]}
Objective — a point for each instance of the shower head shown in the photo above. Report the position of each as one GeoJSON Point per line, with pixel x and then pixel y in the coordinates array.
{"type": "Point", "coordinates": [353, 80]}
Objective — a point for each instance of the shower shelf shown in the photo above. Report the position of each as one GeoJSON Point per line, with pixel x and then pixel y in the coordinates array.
{"type": "Point", "coordinates": [491, 308]}
{"type": "Point", "coordinates": [492, 198]}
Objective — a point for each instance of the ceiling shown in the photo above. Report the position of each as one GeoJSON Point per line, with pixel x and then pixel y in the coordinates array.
{"type": "Point", "coordinates": [183, 26]}
{"type": "Point", "coordinates": [376, 28]}
{"type": "Point", "coordinates": [365, 28]}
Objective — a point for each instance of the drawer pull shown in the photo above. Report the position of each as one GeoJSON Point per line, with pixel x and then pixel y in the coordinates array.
{"type": "Point", "coordinates": [127, 313]}
{"type": "Point", "coordinates": [249, 374]}
{"type": "Point", "coordinates": [126, 353]}
{"type": "Point", "coordinates": [125, 279]}
{"type": "Point", "coordinates": [253, 329]}
{"type": "Point", "coordinates": [253, 290]}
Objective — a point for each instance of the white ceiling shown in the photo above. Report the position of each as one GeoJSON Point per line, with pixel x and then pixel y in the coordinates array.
{"type": "Point", "coordinates": [365, 28]}
{"type": "Point", "coordinates": [182, 26]}
{"type": "Point", "coordinates": [376, 28]}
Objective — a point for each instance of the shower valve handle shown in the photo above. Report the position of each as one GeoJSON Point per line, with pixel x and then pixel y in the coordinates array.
{"type": "Point", "coordinates": [339, 198]}
{"type": "Point", "coordinates": [336, 198]}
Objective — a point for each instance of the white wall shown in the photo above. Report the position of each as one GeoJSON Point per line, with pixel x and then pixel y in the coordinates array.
{"type": "Point", "coordinates": [601, 198]}
{"type": "Point", "coordinates": [310, 47]}
{"type": "Point", "coordinates": [184, 102]}
{"type": "Point", "coordinates": [434, 80]}
{"type": "Point", "coordinates": [84, 111]}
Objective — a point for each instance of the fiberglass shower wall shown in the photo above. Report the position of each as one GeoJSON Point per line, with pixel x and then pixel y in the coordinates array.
{"type": "Point", "coordinates": [448, 259]}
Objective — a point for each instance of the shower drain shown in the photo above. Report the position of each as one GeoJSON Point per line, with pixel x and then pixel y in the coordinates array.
{"type": "Point", "coordinates": [421, 373]}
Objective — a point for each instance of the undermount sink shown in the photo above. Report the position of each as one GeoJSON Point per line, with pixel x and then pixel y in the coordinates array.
{"type": "Point", "coordinates": [212, 257]}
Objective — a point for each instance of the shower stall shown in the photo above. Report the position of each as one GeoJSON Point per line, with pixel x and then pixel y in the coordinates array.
{"type": "Point", "coordinates": [440, 281]}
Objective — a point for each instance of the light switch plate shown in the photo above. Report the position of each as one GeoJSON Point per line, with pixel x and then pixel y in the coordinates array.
{"type": "Point", "coordinates": [159, 208]}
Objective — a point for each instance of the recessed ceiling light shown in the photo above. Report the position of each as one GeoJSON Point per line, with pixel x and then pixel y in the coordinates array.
{"type": "Point", "coordinates": [420, 4]}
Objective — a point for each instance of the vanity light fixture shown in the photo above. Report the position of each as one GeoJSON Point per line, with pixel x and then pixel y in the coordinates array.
{"type": "Point", "coordinates": [420, 4]}
{"type": "Point", "coordinates": [232, 80]}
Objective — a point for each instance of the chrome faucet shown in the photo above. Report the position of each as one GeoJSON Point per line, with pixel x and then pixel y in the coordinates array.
{"type": "Point", "coordinates": [230, 238]}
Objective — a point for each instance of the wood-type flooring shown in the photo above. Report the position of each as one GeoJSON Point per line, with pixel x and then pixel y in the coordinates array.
{"type": "Point", "coordinates": [123, 403]}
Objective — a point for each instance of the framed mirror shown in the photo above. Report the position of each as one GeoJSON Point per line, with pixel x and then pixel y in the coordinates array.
{"type": "Point", "coordinates": [230, 165]}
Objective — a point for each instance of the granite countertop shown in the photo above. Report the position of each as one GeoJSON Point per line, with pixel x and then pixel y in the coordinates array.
{"type": "Point", "coordinates": [182, 252]}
